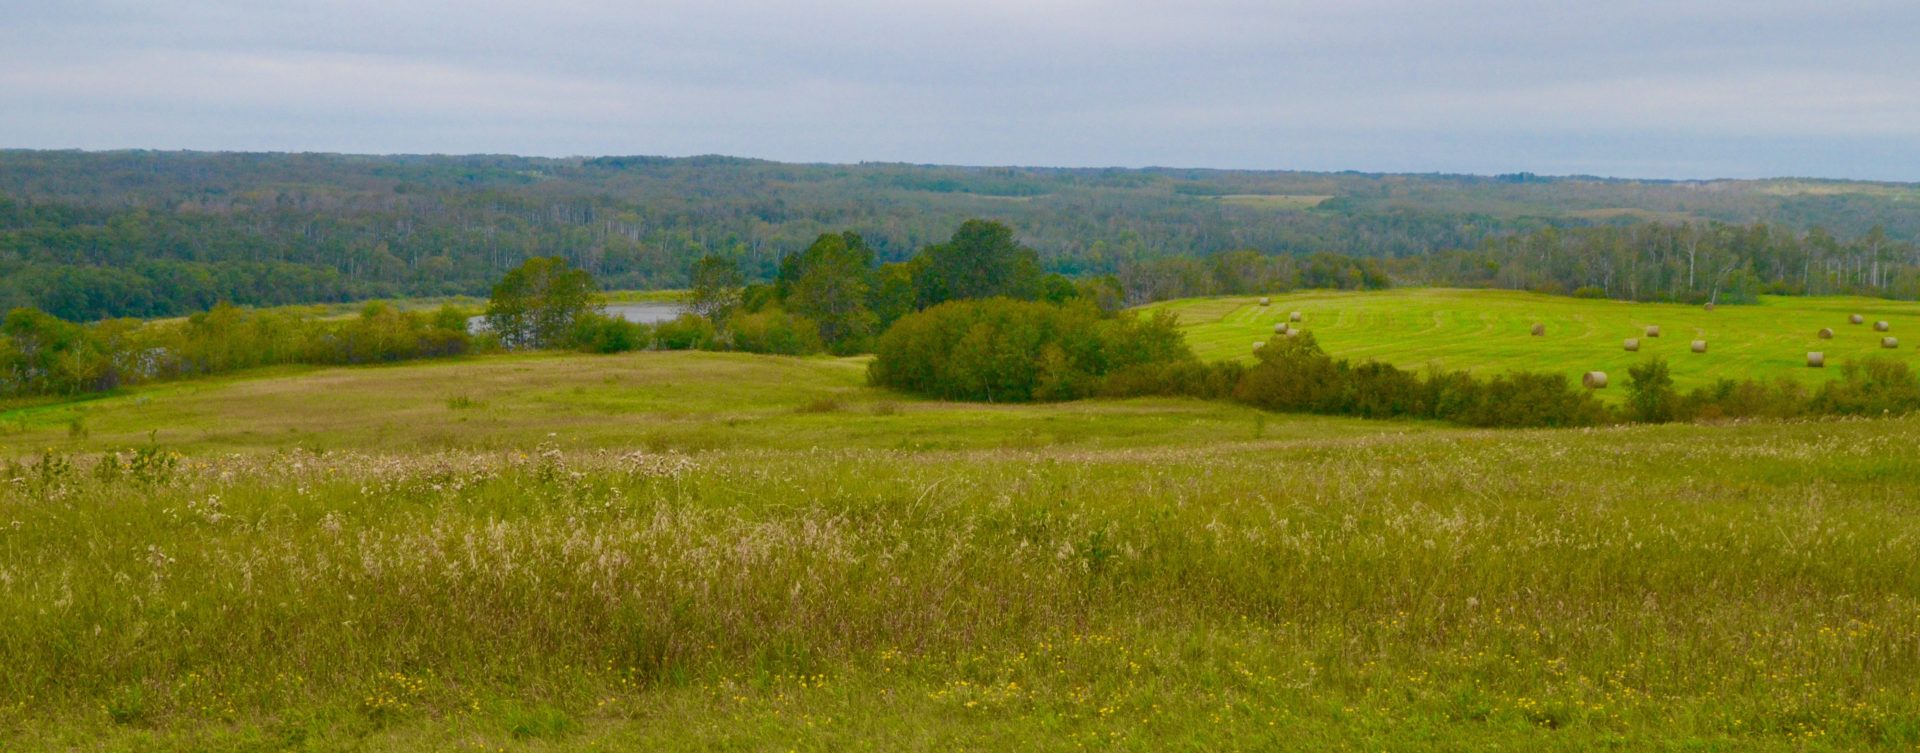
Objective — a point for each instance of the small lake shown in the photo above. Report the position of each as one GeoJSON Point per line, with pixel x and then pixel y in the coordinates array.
{"type": "Point", "coordinates": [640, 313]}
{"type": "Point", "coordinates": [646, 313]}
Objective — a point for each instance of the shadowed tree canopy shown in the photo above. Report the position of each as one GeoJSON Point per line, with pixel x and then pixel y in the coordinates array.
{"type": "Point", "coordinates": [831, 282]}
{"type": "Point", "coordinates": [981, 260]}
{"type": "Point", "coordinates": [717, 286]}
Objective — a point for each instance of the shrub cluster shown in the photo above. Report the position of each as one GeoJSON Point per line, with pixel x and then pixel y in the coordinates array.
{"type": "Point", "coordinates": [772, 330]}
{"type": "Point", "coordinates": [1003, 350]}
{"type": "Point", "coordinates": [41, 354]}
{"type": "Point", "coordinates": [1871, 387]}
{"type": "Point", "coordinates": [766, 331]}
{"type": "Point", "coordinates": [1294, 375]}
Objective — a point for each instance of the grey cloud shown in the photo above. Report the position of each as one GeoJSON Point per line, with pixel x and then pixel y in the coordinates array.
{"type": "Point", "coordinates": [1635, 87]}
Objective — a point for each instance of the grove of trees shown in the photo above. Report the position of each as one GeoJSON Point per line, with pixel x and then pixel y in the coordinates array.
{"type": "Point", "coordinates": [837, 290]}
{"type": "Point", "coordinates": [1003, 350]}
{"type": "Point", "coordinates": [540, 303]}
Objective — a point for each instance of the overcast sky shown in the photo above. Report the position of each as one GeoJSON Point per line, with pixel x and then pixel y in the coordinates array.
{"type": "Point", "coordinates": [1637, 88]}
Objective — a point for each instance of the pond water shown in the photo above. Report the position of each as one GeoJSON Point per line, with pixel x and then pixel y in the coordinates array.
{"type": "Point", "coordinates": [641, 313]}
{"type": "Point", "coordinates": [646, 313]}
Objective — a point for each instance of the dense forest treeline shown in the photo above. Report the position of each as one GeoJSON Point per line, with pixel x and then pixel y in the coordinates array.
{"type": "Point", "coordinates": [1243, 272]}
{"type": "Point", "coordinates": [1690, 262]}
{"type": "Point", "coordinates": [93, 235]}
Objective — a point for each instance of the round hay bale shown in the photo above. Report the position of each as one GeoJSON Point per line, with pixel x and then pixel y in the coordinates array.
{"type": "Point", "coordinates": [1631, 344]}
{"type": "Point", "coordinates": [1699, 346]}
{"type": "Point", "coordinates": [1293, 333]}
{"type": "Point", "coordinates": [1280, 328]}
{"type": "Point", "coordinates": [1258, 344]}
{"type": "Point", "coordinates": [1856, 319]}
{"type": "Point", "coordinates": [1826, 333]}
{"type": "Point", "coordinates": [1709, 305]}
{"type": "Point", "coordinates": [1816, 360]}
{"type": "Point", "coordinates": [1539, 330]}
{"type": "Point", "coordinates": [1266, 302]}
{"type": "Point", "coordinates": [1653, 330]}
{"type": "Point", "coordinates": [1889, 342]}
{"type": "Point", "coordinates": [1595, 380]}
{"type": "Point", "coordinates": [1881, 326]}
{"type": "Point", "coordinates": [1294, 317]}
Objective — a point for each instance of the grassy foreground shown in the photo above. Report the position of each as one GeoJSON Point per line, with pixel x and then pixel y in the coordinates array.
{"type": "Point", "coordinates": [1488, 331]}
{"type": "Point", "coordinates": [699, 551]}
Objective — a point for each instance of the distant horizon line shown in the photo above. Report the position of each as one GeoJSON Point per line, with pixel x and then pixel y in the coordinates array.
{"type": "Point", "coordinates": [1525, 174]}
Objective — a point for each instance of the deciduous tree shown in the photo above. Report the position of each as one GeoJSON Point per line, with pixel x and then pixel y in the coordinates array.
{"type": "Point", "coordinates": [535, 304]}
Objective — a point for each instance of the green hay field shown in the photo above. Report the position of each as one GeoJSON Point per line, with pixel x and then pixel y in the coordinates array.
{"type": "Point", "coordinates": [695, 551]}
{"type": "Point", "coordinates": [1487, 331]}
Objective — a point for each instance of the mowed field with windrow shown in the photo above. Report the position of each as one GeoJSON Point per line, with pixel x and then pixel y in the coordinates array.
{"type": "Point", "coordinates": [1488, 331]}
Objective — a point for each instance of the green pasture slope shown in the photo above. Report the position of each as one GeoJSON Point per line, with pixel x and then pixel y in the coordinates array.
{"type": "Point", "coordinates": [1487, 331]}
{"type": "Point", "coordinates": [701, 551]}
